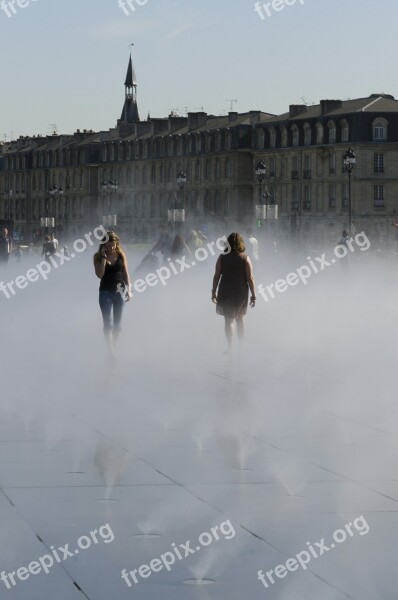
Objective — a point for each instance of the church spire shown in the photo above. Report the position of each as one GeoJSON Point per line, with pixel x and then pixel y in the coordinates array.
{"type": "Point", "coordinates": [130, 112]}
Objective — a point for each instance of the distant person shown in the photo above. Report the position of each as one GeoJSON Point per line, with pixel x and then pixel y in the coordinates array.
{"type": "Point", "coordinates": [233, 277]}
{"type": "Point", "coordinates": [54, 241]}
{"type": "Point", "coordinates": [179, 248]}
{"type": "Point", "coordinates": [18, 254]}
{"type": "Point", "coordinates": [5, 246]}
{"type": "Point", "coordinates": [110, 264]}
{"type": "Point", "coordinates": [66, 252]}
{"type": "Point", "coordinates": [148, 264]}
{"type": "Point", "coordinates": [48, 247]}
{"type": "Point", "coordinates": [252, 246]}
{"type": "Point", "coordinates": [195, 240]}
{"type": "Point", "coordinates": [163, 245]}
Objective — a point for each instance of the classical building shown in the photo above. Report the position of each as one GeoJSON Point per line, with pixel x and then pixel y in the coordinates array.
{"type": "Point", "coordinates": [131, 170]}
{"type": "Point", "coordinates": [304, 153]}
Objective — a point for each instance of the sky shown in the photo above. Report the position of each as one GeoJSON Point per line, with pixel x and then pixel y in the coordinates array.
{"type": "Point", "coordinates": [64, 61]}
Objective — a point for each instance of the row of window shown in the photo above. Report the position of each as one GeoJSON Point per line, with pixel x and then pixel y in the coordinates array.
{"type": "Point", "coordinates": [378, 197]}
{"type": "Point", "coordinates": [210, 170]}
{"type": "Point", "coordinates": [170, 145]}
{"type": "Point", "coordinates": [306, 135]}
{"type": "Point", "coordinates": [271, 164]}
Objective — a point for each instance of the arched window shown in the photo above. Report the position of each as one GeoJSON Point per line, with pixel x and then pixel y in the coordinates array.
{"type": "Point", "coordinates": [179, 145]}
{"type": "Point", "coordinates": [198, 143]}
{"type": "Point", "coordinates": [345, 131]}
{"type": "Point", "coordinates": [379, 130]}
{"type": "Point", "coordinates": [319, 133]}
{"type": "Point", "coordinates": [170, 145]}
{"type": "Point", "coordinates": [307, 134]}
{"type": "Point", "coordinates": [218, 141]}
{"type": "Point", "coordinates": [228, 140]}
{"type": "Point", "coordinates": [332, 132]}
{"type": "Point", "coordinates": [209, 142]}
{"type": "Point", "coordinates": [272, 134]}
{"type": "Point", "coordinates": [295, 135]}
{"type": "Point", "coordinates": [260, 138]}
{"type": "Point", "coordinates": [284, 136]}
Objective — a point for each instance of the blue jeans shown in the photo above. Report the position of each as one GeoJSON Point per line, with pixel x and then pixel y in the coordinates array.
{"type": "Point", "coordinates": [107, 302]}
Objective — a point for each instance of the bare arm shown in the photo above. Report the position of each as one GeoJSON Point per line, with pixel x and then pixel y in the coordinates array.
{"type": "Point", "coordinates": [216, 280]}
{"type": "Point", "coordinates": [126, 278]}
{"type": "Point", "coordinates": [99, 265]}
{"type": "Point", "coordinates": [250, 281]}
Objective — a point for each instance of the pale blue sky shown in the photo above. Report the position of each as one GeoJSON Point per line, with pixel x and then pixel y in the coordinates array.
{"type": "Point", "coordinates": [64, 61]}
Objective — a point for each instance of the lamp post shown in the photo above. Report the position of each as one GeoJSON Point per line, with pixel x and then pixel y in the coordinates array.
{"type": "Point", "coordinates": [349, 164]}
{"type": "Point", "coordinates": [261, 209]}
{"type": "Point", "coordinates": [109, 188]}
{"type": "Point", "coordinates": [47, 222]}
{"type": "Point", "coordinates": [177, 214]}
{"type": "Point", "coordinates": [181, 181]}
{"type": "Point", "coordinates": [55, 192]}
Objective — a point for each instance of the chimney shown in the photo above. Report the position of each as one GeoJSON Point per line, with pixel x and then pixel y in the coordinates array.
{"type": "Point", "coordinates": [255, 116]}
{"type": "Point", "coordinates": [297, 109]}
{"type": "Point", "coordinates": [328, 106]}
{"type": "Point", "coordinates": [233, 117]}
{"type": "Point", "coordinates": [196, 120]}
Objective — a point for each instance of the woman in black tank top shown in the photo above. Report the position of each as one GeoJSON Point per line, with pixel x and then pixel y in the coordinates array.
{"type": "Point", "coordinates": [111, 267]}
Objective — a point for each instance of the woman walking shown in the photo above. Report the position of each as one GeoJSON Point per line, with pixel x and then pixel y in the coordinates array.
{"type": "Point", "coordinates": [233, 277]}
{"type": "Point", "coordinates": [110, 263]}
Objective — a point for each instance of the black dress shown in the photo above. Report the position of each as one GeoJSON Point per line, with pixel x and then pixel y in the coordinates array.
{"type": "Point", "coordinates": [233, 290]}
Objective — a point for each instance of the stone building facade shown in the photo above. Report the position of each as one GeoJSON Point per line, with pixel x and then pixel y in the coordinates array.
{"type": "Point", "coordinates": [67, 176]}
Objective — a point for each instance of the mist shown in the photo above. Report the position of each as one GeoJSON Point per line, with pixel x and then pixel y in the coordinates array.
{"type": "Point", "coordinates": [290, 436]}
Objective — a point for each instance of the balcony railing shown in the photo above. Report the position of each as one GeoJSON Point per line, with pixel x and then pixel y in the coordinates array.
{"type": "Point", "coordinates": [307, 174]}
{"type": "Point", "coordinates": [295, 174]}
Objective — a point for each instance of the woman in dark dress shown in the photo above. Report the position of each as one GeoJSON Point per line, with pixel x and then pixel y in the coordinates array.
{"type": "Point", "coordinates": [233, 278]}
{"type": "Point", "coordinates": [110, 264]}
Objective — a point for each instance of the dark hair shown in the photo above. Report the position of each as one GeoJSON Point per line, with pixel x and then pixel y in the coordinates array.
{"type": "Point", "coordinates": [236, 242]}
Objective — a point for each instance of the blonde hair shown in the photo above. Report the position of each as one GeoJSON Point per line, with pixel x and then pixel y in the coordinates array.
{"type": "Point", "coordinates": [110, 236]}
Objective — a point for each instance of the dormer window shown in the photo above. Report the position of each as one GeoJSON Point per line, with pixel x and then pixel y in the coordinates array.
{"type": "Point", "coordinates": [345, 131]}
{"type": "Point", "coordinates": [295, 135]}
{"type": "Point", "coordinates": [332, 132]}
{"type": "Point", "coordinates": [307, 134]}
{"type": "Point", "coordinates": [380, 130]}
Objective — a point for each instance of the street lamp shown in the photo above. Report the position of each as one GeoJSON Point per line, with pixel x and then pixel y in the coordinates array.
{"type": "Point", "coordinates": [181, 181]}
{"type": "Point", "coordinates": [109, 188]}
{"type": "Point", "coordinates": [55, 192]}
{"type": "Point", "coordinates": [177, 214]}
{"type": "Point", "coordinates": [349, 164]}
{"type": "Point", "coordinates": [47, 221]}
{"type": "Point", "coordinates": [261, 208]}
